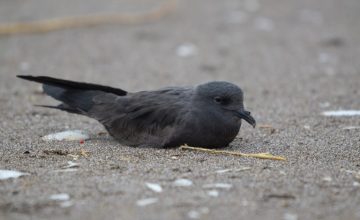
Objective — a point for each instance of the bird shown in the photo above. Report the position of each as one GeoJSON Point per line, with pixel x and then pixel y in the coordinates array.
{"type": "Point", "coordinates": [208, 115]}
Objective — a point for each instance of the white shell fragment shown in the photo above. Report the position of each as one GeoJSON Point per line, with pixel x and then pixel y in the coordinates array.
{"type": "Point", "coordinates": [7, 174]}
{"type": "Point", "coordinates": [63, 198]}
{"type": "Point", "coordinates": [223, 171]}
{"type": "Point", "coordinates": [342, 113]}
{"type": "Point", "coordinates": [182, 182]}
{"type": "Point", "coordinates": [71, 135]}
{"type": "Point", "coordinates": [327, 179]}
{"type": "Point", "coordinates": [218, 185]}
{"type": "Point", "coordinates": [154, 187]}
{"type": "Point", "coordinates": [213, 193]}
{"type": "Point", "coordinates": [146, 202]}
{"type": "Point", "coordinates": [60, 197]}
{"type": "Point", "coordinates": [186, 50]}
{"type": "Point", "coordinates": [71, 164]}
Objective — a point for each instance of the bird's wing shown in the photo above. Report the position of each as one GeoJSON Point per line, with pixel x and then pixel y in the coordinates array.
{"type": "Point", "coordinates": [150, 113]}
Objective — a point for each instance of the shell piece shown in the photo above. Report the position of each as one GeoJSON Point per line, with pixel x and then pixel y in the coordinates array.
{"type": "Point", "coordinates": [342, 113]}
{"type": "Point", "coordinates": [146, 202]}
{"type": "Point", "coordinates": [217, 185]}
{"type": "Point", "coordinates": [60, 197]}
{"type": "Point", "coordinates": [7, 174]}
{"type": "Point", "coordinates": [154, 187]}
{"type": "Point", "coordinates": [182, 182]}
{"type": "Point", "coordinates": [71, 135]}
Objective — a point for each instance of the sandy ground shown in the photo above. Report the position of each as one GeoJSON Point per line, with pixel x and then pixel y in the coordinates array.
{"type": "Point", "coordinates": [293, 59]}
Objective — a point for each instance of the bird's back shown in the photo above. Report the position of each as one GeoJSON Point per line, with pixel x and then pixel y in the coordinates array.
{"type": "Point", "coordinates": [148, 118]}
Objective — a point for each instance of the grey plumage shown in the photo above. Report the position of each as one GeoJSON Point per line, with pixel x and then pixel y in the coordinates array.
{"type": "Point", "coordinates": [208, 115]}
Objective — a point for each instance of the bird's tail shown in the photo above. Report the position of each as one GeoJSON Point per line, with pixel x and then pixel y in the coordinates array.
{"type": "Point", "coordinates": [76, 97]}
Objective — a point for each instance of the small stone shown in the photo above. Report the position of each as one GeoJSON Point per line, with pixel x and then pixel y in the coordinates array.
{"type": "Point", "coordinates": [71, 164]}
{"type": "Point", "coordinates": [327, 179]}
{"type": "Point", "coordinates": [8, 174]}
{"type": "Point", "coordinates": [154, 187]}
{"type": "Point", "coordinates": [146, 202]}
{"type": "Point", "coordinates": [60, 197]}
{"type": "Point", "coordinates": [218, 185]}
{"type": "Point", "coordinates": [182, 182]}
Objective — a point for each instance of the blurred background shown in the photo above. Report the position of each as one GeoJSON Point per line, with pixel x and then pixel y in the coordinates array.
{"type": "Point", "coordinates": [298, 46]}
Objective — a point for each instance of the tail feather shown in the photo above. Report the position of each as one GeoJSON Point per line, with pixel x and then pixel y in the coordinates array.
{"type": "Point", "coordinates": [72, 85]}
{"type": "Point", "coordinates": [76, 97]}
{"type": "Point", "coordinates": [62, 107]}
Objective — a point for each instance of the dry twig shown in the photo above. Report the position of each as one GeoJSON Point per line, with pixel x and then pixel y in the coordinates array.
{"type": "Point", "coordinates": [267, 156]}
{"type": "Point", "coordinates": [86, 21]}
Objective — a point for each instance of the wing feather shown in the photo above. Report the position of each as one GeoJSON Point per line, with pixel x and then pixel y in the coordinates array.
{"type": "Point", "coordinates": [153, 116]}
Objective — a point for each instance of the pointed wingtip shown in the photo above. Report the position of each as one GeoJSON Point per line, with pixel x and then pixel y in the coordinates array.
{"type": "Point", "coordinates": [24, 76]}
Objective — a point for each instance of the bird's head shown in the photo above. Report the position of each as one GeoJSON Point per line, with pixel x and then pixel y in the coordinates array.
{"type": "Point", "coordinates": [225, 96]}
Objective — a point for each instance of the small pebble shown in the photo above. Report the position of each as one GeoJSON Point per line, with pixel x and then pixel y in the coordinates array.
{"type": "Point", "coordinates": [60, 197]}
{"type": "Point", "coordinates": [154, 187]}
{"type": "Point", "coordinates": [182, 182]}
{"type": "Point", "coordinates": [71, 164]}
{"type": "Point", "coordinates": [146, 202]}
{"type": "Point", "coordinates": [7, 174]}
{"type": "Point", "coordinates": [327, 179]}
{"type": "Point", "coordinates": [218, 185]}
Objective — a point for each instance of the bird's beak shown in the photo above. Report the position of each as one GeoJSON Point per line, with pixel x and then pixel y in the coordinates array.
{"type": "Point", "coordinates": [246, 115]}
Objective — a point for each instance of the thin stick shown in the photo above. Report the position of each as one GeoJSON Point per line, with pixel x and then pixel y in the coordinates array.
{"type": "Point", "coordinates": [212, 151]}
{"type": "Point", "coordinates": [85, 21]}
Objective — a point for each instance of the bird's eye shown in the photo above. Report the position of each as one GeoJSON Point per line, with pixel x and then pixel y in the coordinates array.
{"type": "Point", "coordinates": [218, 100]}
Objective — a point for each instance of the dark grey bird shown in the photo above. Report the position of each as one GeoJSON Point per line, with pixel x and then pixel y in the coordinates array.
{"type": "Point", "coordinates": [208, 115]}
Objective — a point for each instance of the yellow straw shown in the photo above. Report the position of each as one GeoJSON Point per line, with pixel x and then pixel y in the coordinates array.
{"type": "Point", "coordinates": [267, 156]}
{"type": "Point", "coordinates": [85, 21]}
